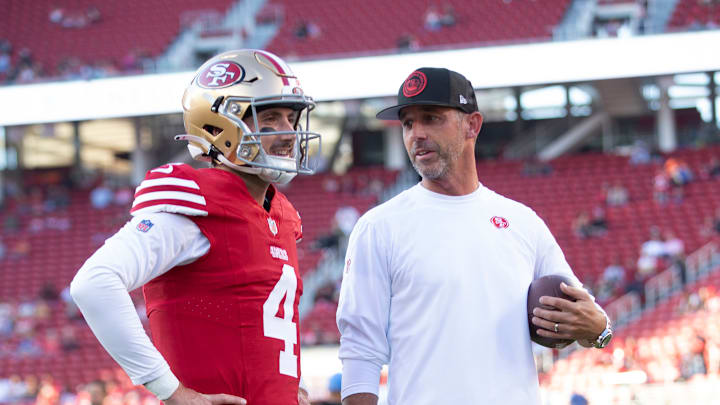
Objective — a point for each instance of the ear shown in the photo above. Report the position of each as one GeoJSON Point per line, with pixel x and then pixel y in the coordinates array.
{"type": "Point", "coordinates": [474, 121]}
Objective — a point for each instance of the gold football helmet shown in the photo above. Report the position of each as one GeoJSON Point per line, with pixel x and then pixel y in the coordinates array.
{"type": "Point", "coordinates": [235, 85]}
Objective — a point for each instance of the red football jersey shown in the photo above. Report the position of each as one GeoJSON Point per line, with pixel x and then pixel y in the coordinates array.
{"type": "Point", "coordinates": [228, 322]}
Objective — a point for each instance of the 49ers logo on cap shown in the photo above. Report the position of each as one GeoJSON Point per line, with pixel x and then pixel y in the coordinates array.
{"type": "Point", "coordinates": [414, 84]}
{"type": "Point", "coordinates": [221, 74]}
{"type": "Point", "coordinates": [499, 222]}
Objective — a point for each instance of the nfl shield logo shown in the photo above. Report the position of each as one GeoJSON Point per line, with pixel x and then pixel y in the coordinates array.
{"type": "Point", "coordinates": [273, 226]}
{"type": "Point", "coordinates": [144, 225]}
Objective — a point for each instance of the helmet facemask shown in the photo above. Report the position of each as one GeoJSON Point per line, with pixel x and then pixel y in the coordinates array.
{"type": "Point", "coordinates": [250, 151]}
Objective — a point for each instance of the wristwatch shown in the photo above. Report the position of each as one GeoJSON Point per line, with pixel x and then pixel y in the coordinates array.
{"type": "Point", "coordinates": [605, 337]}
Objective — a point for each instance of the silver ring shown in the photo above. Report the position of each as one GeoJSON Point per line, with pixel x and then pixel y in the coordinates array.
{"type": "Point", "coordinates": [556, 327]}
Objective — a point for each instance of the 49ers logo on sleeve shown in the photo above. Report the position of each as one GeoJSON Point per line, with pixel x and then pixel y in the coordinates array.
{"type": "Point", "coordinates": [499, 222]}
{"type": "Point", "coordinates": [414, 84]}
{"type": "Point", "coordinates": [221, 74]}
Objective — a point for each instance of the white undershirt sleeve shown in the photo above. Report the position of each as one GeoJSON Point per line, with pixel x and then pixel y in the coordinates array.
{"type": "Point", "coordinates": [128, 260]}
{"type": "Point", "coordinates": [364, 311]}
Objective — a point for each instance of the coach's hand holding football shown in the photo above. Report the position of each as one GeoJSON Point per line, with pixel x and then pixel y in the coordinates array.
{"type": "Point", "coordinates": [581, 320]}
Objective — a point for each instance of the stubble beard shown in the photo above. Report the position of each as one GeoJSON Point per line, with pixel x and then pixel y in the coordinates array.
{"type": "Point", "coordinates": [439, 169]}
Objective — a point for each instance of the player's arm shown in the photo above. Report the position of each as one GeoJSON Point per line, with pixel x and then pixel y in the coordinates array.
{"type": "Point", "coordinates": [363, 314]}
{"type": "Point", "coordinates": [582, 320]}
{"type": "Point", "coordinates": [139, 252]}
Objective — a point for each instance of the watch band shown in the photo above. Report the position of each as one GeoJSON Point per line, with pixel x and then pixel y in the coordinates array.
{"type": "Point", "coordinates": [605, 337]}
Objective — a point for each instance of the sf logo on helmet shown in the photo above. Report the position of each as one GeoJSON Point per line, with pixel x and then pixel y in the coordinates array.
{"type": "Point", "coordinates": [221, 74]}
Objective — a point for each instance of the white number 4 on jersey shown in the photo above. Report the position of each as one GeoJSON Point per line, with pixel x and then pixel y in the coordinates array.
{"type": "Point", "coordinates": [283, 328]}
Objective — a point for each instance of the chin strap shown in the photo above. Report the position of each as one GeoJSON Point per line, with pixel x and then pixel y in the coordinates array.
{"type": "Point", "coordinates": [265, 174]}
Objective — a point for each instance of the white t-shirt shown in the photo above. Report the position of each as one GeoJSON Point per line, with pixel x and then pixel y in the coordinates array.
{"type": "Point", "coordinates": [435, 286]}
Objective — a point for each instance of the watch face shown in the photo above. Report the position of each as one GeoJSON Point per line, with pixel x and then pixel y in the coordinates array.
{"type": "Point", "coordinates": [606, 340]}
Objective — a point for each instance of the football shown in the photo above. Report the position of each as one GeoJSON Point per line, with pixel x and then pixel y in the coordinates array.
{"type": "Point", "coordinates": [546, 286]}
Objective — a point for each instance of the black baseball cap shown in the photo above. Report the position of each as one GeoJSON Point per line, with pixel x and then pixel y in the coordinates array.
{"type": "Point", "coordinates": [433, 86]}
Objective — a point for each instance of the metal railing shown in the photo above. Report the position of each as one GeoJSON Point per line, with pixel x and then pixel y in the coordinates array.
{"type": "Point", "coordinates": [698, 265]}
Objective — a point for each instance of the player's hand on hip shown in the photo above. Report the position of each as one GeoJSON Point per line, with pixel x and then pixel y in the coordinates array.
{"type": "Point", "coordinates": [581, 319]}
{"type": "Point", "coordinates": [186, 396]}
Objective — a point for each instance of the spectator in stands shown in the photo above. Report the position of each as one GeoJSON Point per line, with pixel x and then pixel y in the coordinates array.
{"type": "Point", "coordinates": [48, 292]}
{"type": "Point", "coordinates": [307, 29]}
{"type": "Point", "coordinates": [11, 223]}
{"type": "Point", "coordinates": [335, 242]}
{"type": "Point", "coordinates": [640, 153]}
{"type": "Point", "coordinates": [678, 172]}
{"type": "Point", "coordinates": [16, 388]}
{"type": "Point", "coordinates": [68, 339]}
{"type": "Point", "coordinates": [432, 19]}
{"type": "Point", "coordinates": [97, 391]}
{"type": "Point", "coordinates": [330, 184]}
{"type": "Point", "coordinates": [55, 15]}
{"type": "Point", "coordinates": [48, 392]}
{"type": "Point", "coordinates": [714, 167]}
{"type": "Point", "coordinates": [123, 196]}
{"type": "Point", "coordinates": [71, 310]}
{"type": "Point", "coordinates": [673, 246]}
{"type": "Point", "coordinates": [598, 222]}
{"type": "Point", "coordinates": [5, 60]}
{"type": "Point", "coordinates": [661, 186]}
{"type": "Point", "coordinates": [58, 197]}
{"type": "Point", "coordinates": [448, 18]}
{"type": "Point", "coordinates": [582, 226]}
{"type": "Point", "coordinates": [651, 254]}
{"type": "Point", "coordinates": [7, 320]}
{"type": "Point", "coordinates": [334, 388]}
{"type": "Point", "coordinates": [2, 250]}
{"type": "Point", "coordinates": [93, 14]}
{"type": "Point", "coordinates": [21, 249]}
{"type": "Point", "coordinates": [617, 195]}
{"type": "Point", "coordinates": [693, 359]}
{"type": "Point", "coordinates": [536, 167]}
{"type": "Point", "coordinates": [407, 42]}
{"type": "Point", "coordinates": [346, 216]}
{"type": "Point", "coordinates": [615, 272]}
{"type": "Point", "coordinates": [101, 196]}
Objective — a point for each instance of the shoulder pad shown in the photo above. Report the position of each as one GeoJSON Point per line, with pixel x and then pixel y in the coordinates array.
{"type": "Point", "coordinates": [170, 188]}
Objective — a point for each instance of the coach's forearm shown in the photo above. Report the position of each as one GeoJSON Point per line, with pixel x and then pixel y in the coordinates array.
{"type": "Point", "coordinates": [360, 399]}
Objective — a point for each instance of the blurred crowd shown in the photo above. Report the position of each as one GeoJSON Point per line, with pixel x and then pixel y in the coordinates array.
{"type": "Point", "coordinates": [113, 387]}
{"type": "Point", "coordinates": [30, 327]}
{"type": "Point", "coordinates": [19, 66]}
{"type": "Point", "coordinates": [663, 248]}
{"type": "Point", "coordinates": [30, 209]}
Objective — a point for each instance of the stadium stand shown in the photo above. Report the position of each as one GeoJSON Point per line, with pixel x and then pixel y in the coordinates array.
{"type": "Point", "coordinates": [85, 39]}
{"type": "Point", "coordinates": [695, 14]}
{"type": "Point", "coordinates": [575, 184]}
{"type": "Point", "coordinates": [61, 35]}
{"type": "Point", "coordinates": [678, 340]}
{"type": "Point", "coordinates": [340, 33]}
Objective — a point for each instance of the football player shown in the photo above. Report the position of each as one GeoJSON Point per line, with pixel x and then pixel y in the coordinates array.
{"type": "Point", "coordinates": [214, 248]}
